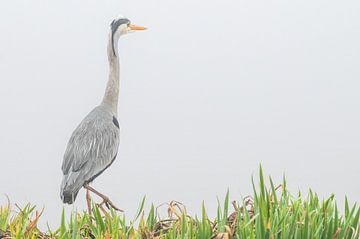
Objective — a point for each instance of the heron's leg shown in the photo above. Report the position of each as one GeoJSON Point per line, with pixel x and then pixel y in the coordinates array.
{"type": "Point", "coordinates": [106, 199]}
{"type": "Point", "coordinates": [88, 201]}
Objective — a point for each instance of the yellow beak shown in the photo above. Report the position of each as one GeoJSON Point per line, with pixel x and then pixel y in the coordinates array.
{"type": "Point", "coordinates": [136, 28]}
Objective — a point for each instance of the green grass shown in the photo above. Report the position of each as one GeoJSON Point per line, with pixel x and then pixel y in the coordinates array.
{"type": "Point", "coordinates": [271, 212]}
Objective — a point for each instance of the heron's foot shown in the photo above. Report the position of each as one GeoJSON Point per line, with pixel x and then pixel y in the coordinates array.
{"type": "Point", "coordinates": [106, 201]}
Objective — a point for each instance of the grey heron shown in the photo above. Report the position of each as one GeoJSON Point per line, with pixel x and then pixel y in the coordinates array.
{"type": "Point", "coordinates": [93, 145]}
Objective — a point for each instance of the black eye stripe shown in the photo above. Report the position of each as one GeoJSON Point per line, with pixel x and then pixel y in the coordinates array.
{"type": "Point", "coordinates": [114, 26]}
{"type": "Point", "coordinates": [116, 23]}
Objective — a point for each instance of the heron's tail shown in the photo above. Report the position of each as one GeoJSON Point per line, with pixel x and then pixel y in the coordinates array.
{"type": "Point", "coordinates": [70, 187]}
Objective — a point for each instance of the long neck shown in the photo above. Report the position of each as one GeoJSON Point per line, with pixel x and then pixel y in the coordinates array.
{"type": "Point", "coordinates": [111, 95]}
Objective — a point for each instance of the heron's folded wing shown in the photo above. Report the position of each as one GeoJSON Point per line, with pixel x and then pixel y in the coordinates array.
{"type": "Point", "coordinates": [93, 143]}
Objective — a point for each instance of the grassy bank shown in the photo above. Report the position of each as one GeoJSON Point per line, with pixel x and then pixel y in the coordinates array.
{"type": "Point", "coordinates": [271, 212]}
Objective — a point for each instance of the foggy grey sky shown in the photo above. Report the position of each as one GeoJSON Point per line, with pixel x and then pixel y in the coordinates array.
{"type": "Point", "coordinates": [210, 91]}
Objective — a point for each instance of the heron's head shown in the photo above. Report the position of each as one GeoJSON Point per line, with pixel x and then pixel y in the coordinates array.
{"type": "Point", "coordinates": [121, 26]}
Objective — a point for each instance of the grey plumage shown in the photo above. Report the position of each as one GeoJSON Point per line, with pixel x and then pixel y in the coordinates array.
{"type": "Point", "coordinates": [91, 149]}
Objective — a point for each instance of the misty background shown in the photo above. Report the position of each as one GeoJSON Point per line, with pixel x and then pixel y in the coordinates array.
{"type": "Point", "coordinates": [211, 90]}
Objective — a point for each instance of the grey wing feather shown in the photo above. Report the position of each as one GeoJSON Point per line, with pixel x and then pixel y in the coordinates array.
{"type": "Point", "coordinates": [91, 148]}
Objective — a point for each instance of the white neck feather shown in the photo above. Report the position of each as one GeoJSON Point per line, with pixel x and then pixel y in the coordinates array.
{"type": "Point", "coordinates": [111, 96]}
